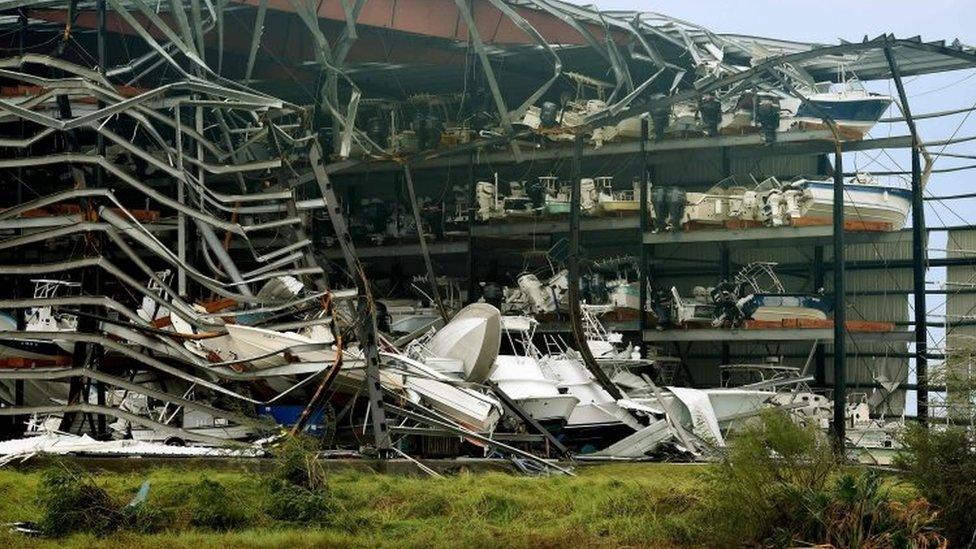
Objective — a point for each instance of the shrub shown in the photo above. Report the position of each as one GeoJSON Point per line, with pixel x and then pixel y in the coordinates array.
{"type": "Point", "coordinates": [770, 473]}
{"type": "Point", "coordinates": [941, 464]}
{"type": "Point", "coordinates": [861, 514]}
{"type": "Point", "coordinates": [296, 462]}
{"type": "Point", "coordinates": [71, 501]}
{"type": "Point", "coordinates": [291, 503]}
{"type": "Point", "coordinates": [212, 506]}
{"type": "Point", "coordinates": [781, 484]}
{"type": "Point", "coordinates": [298, 488]}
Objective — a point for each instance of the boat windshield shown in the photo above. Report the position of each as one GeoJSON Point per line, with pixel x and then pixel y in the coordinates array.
{"type": "Point", "coordinates": [768, 184]}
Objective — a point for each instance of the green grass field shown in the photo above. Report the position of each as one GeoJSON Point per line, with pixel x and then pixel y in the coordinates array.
{"type": "Point", "coordinates": [647, 505]}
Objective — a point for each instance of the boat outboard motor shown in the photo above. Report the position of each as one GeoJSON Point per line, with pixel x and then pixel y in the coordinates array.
{"type": "Point", "coordinates": [710, 109]}
{"type": "Point", "coordinates": [548, 115]}
{"type": "Point", "coordinates": [767, 114]}
{"type": "Point", "coordinates": [383, 318]}
{"type": "Point", "coordinates": [538, 297]}
{"type": "Point", "coordinates": [584, 289]}
{"type": "Point", "coordinates": [378, 130]}
{"type": "Point", "coordinates": [588, 194]}
{"type": "Point", "coordinates": [493, 294]}
{"type": "Point", "coordinates": [725, 296]}
{"type": "Point", "coordinates": [598, 290]}
{"type": "Point", "coordinates": [660, 115]}
{"type": "Point", "coordinates": [660, 206]}
{"type": "Point", "coordinates": [485, 197]}
{"type": "Point", "coordinates": [677, 198]}
{"type": "Point", "coordinates": [435, 130]}
{"type": "Point", "coordinates": [536, 193]}
{"type": "Point", "coordinates": [773, 209]}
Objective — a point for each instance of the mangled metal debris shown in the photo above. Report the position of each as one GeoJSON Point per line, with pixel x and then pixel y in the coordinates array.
{"type": "Point", "coordinates": [175, 199]}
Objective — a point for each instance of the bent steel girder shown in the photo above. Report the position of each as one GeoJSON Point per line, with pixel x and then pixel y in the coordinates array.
{"type": "Point", "coordinates": [95, 301]}
{"type": "Point", "coordinates": [327, 95]}
{"type": "Point", "coordinates": [176, 305]}
{"type": "Point", "coordinates": [75, 158]}
{"type": "Point", "coordinates": [127, 351]}
{"type": "Point", "coordinates": [86, 408]}
{"type": "Point", "coordinates": [115, 381]}
{"type": "Point", "coordinates": [496, 94]}
{"type": "Point", "coordinates": [557, 67]}
{"type": "Point", "coordinates": [641, 105]}
{"type": "Point", "coordinates": [116, 226]}
{"type": "Point", "coordinates": [134, 107]}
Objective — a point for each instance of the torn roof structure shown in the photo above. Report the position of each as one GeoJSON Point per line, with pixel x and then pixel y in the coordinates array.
{"type": "Point", "coordinates": [495, 55]}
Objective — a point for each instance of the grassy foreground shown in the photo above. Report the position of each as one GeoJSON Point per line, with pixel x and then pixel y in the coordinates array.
{"type": "Point", "coordinates": [647, 505]}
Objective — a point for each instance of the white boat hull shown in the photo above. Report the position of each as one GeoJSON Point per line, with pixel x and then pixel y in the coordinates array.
{"type": "Point", "coordinates": [521, 378]}
{"type": "Point", "coordinates": [256, 342]}
{"type": "Point", "coordinates": [867, 203]}
{"type": "Point", "coordinates": [549, 409]}
{"type": "Point", "coordinates": [473, 337]}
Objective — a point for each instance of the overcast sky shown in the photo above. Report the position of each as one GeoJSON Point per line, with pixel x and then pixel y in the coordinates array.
{"type": "Point", "coordinates": [820, 21]}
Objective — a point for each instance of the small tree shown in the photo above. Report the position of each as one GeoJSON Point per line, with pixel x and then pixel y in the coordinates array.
{"type": "Point", "coordinates": [941, 463]}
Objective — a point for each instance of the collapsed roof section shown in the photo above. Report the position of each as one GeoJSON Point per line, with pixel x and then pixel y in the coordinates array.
{"type": "Point", "coordinates": [493, 57]}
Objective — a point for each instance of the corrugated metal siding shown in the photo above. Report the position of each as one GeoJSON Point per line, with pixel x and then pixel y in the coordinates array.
{"type": "Point", "coordinates": [863, 369]}
{"type": "Point", "coordinates": [703, 170]}
{"type": "Point", "coordinates": [697, 171]}
{"type": "Point", "coordinates": [960, 340]}
{"type": "Point", "coordinates": [779, 166]}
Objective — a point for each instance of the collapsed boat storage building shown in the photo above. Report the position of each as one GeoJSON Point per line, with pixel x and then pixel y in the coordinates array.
{"type": "Point", "coordinates": [490, 228]}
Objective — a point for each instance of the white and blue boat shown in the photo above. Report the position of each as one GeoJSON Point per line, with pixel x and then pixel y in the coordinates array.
{"type": "Point", "coordinates": [854, 109]}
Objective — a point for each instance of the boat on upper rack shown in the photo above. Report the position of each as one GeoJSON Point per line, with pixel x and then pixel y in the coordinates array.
{"type": "Point", "coordinates": [853, 108]}
{"type": "Point", "coordinates": [40, 319]}
{"type": "Point", "coordinates": [754, 293]}
{"type": "Point", "coordinates": [770, 202]}
{"type": "Point", "coordinates": [865, 200]}
{"type": "Point", "coordinates": [615, 202]}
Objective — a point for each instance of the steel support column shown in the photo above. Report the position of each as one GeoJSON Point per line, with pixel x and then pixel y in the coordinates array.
{"type": "Point", "coordinates": [725, 263]}
{"type": "Point", "coordinates": [367, 324]}
{"type": "Point", "coordinates": [98, 352]}
{"type": "Point", "coordinates": [820, 357]}
{"type": "Point", "coordinates": [725, 270]}
{"type": "Point", "coordinates": [431, 277]}
{"type": "Point", "coordinates": [472, 208]}
{"type": "Point", "coordinates": [575, 315]}
{"type": "Point", "coordinates": [918, 247]}
{"type": "Point", "coordinates": [840, 318]}
{"type": "Point", "coordinates": [644, 223]}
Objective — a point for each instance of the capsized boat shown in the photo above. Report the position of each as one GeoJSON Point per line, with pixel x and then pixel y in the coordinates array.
{"type": "Point", "coordinates": [521, 378]}
{"type": "Point", "coordinates": [255, 342]}
{"type": "Point", "coordinates": [468, 407]}
{"type": "Point", "coordinates": [598, 416]}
